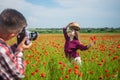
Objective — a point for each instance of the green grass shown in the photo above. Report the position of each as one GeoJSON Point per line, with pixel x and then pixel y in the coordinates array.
{"type": "Point", "coordinates": [46, 57]}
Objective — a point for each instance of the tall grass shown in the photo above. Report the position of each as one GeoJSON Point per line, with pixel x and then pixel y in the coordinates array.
{"type": "Point", "coordinates": [46, 59]}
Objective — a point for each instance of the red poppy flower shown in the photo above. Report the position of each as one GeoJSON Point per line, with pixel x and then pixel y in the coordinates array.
{"type": "Point", "coordinates": [44, 63]}
{"type": "Point", "coordinates": [63, 65]}
{"type": "Point", "coordinates": [91, 72]}
{"type": "Point", "coordinates": [69, 70]}
{"type": "Point", "coordinates": [42, 74]}
{"type": "Point", "coordinates": [67, 76]}
{"type": "Point", "coordinates": [100, 63]}
{"type": "Point", "coordinates": [76, 71]}
{"type": "Point", "coordinates": [33, 73]}
{"type": "Point", "coordinates": [101, 77]}
{"type": "Point", "coordinates": [118, 46]}
{"type": "Point", "coordinates": [115, 57]}
{"type": "Point", "coordinates": [60, 78]}
{"type": "Point", "coordinates": [80, 74]}
{"type": "Point", "coordinates": [60, 62]}
{"type": "Point", "coordinates": [108, 75]}
{"type": "Point", "coordinates": [93, 38]}
{"type": "Point", "coordinates": [36, 70]}
{"type": "Point", "coordinates": [76, 67]}
{"type": "Point", "coordinates": [106, 71]}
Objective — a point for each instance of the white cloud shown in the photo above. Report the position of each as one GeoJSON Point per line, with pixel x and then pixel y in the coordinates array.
{"type": "Point", "coordinates": [17, 4]}
{"type": "Point", "coordinates": [84, 12]}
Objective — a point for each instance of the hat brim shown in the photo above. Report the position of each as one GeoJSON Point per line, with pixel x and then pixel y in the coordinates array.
{"type": "Point", "coordinates": [77, 28]}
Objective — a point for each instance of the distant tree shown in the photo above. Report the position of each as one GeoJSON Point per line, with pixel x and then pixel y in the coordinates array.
{"type": "Point", "coordinates": [102, 29]}
{"type": "Point", "coordinates": [89, 30]}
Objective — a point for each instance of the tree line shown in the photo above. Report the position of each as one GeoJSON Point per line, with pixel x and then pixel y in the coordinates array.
{"type": "Point", "coordinates": [82, 30]}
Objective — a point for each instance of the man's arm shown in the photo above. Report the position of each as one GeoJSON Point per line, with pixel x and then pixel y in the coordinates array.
{"type": "Point", "coordinates": [12, 65]}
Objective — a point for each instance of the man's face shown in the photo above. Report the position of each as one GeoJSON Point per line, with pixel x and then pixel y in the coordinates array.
{"type": "Point", "coordinates": [11, 35]}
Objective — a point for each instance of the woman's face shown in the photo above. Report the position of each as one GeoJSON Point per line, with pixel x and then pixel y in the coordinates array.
{"type": "Point", "coordinates": [71, 33]}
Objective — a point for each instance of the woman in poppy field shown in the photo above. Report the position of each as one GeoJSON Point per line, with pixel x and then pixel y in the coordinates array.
{"type": "Point", "coordinates": [72, 42]}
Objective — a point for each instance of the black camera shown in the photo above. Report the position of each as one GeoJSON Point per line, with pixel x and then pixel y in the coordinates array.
{"type": "Point", "coordinates": [26, 33]}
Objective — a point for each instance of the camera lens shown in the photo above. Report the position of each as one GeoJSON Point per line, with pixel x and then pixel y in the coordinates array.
{"type": "Point", "coordinates": [33, 35]}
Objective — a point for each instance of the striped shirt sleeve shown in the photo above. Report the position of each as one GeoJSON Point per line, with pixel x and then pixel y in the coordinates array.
{"type": "Point", "coordinates": [11, 65]}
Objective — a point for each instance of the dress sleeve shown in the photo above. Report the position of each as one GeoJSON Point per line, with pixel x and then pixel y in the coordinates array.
{"type": "Point", "coordinates": [81, 46]}
{"type": "Point", "coordinates": [65, 34]}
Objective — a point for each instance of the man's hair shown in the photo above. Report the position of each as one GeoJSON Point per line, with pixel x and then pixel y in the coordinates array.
{"type": "Point", "coordinates": [12, 20]}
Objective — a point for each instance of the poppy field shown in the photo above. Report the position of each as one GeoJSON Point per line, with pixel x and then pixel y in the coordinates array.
{"type": "Point", "coordinates": [46, 60]}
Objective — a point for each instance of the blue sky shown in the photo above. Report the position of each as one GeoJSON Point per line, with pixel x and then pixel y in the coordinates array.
{"type": "Point", "coordinates": [58, 13]}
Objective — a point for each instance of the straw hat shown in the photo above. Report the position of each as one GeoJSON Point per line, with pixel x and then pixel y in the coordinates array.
{"type": "Point", "coordinates": [74, 26]}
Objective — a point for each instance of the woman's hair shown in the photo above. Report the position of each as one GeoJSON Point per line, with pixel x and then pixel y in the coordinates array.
{"type": "Point", "coordinates": [11, 20]}
{"type": "Point", "coordinates": [76, 37]}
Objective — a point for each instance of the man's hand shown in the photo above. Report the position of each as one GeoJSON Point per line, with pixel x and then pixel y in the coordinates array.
{"type": "Point", "coordinates": [22, 46]}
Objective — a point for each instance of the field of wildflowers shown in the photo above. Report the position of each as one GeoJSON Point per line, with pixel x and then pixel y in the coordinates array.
{"type": "Point", "coordinates": [46, 60]}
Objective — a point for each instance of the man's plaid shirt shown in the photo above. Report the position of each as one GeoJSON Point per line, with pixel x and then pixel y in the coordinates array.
{"type": "Point", "coordinates": [11, 62]}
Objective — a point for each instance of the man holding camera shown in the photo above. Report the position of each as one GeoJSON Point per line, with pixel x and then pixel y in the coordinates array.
{"type": "Point", "coordinates": [12, 65]}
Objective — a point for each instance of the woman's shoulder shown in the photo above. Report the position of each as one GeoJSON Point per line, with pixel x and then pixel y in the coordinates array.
{"type": "Point", "coordinates": [78, 42]}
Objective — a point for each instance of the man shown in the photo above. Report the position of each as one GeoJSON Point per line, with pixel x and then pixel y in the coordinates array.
{"type": "Point", "coordinates": [12, 65]}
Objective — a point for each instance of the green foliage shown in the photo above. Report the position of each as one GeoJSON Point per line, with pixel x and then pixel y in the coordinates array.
{"type": "Point", "coordinates": [82, 30]}
{"type": "Point", "coordinates": [46, 59]}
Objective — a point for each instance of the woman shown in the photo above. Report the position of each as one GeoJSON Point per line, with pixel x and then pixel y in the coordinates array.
{"type": "Point", "coordinates": [72, 43]}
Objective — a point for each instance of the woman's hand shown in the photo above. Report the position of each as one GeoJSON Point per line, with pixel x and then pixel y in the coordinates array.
{"type": "Point", "coordinates": [93, 39]}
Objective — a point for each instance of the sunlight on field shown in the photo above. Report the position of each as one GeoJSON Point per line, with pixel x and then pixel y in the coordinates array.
{"type": "Point", "coordinates": [46, 60]}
